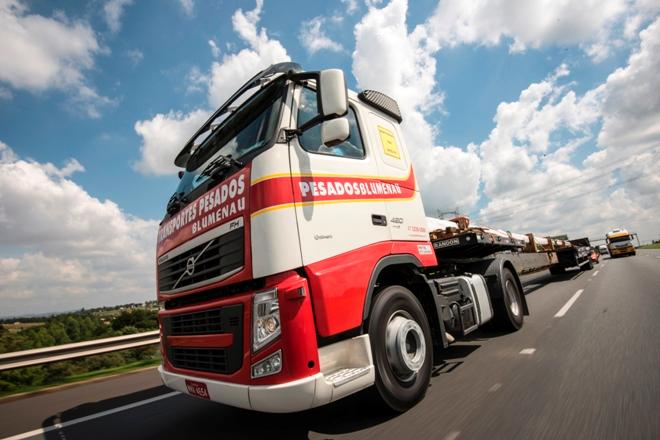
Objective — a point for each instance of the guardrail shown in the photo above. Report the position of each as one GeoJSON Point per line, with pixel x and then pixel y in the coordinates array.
{"type": "Point", "coordinates": [47, 355]}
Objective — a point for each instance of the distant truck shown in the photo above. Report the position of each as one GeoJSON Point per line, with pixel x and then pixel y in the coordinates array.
{"type": "Point", "coordinates": [619, 242]}
{"type": "Point", "coordinates": [602, 249]}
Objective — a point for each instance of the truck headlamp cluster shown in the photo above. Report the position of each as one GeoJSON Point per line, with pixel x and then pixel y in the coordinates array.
{"type": "Point", "coordinates": [271, 365]}
{"type": "Point", "coordinates": [265, 318]}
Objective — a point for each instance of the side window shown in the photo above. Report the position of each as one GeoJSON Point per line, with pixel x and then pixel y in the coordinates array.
{"type": "Point", "coordinates": [311, 139]}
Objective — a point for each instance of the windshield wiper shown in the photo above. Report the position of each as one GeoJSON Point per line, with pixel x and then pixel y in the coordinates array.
{"type": "Point", "coordinates": [176, 202]}
{"type": "Point", "coordinates": [219, 165]}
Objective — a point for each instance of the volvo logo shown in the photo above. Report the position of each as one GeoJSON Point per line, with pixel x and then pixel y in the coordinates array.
{"type": "Point", "coordinates": [190, 266]}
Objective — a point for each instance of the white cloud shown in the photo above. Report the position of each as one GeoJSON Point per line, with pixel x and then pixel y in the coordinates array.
{"type": "Point", "coordinates": [6, 154]}
{"type": "Point", "coordinates": [112, 11]}
{"type": "Point", "coordinates": [162, 138]}
{"type": "Point", "coordinates": [135, 55]}
{"type": "Point", "coordinates": [526, 23]}
{"type": "Point", "coordinates": [164, 135]}
{"type": "Point", "coordinates": [234, 69]}
{"type": "Point", "coordinates": [390, 59]}
{"type": "Point", "coordinates": [215, 50]}
{"type": "Point", "coordinates": [351, 5]}
{"type": "Point", "coordinates": [48, 53]}
{"type": "Point", "coordinates": [70, 249]}
{"type": "Point", "coordinates": [523, 131]}
{"type": "Point", "coordinates": [197, 80]}
{"type": "Point", "coordinates": [631, 112]}
{"type": "Point", "coordinates": [616, 186]}
{"type": "Point", "coordinates": [188, 7]}
{"type": "Point", "coordinates": [313, 37]}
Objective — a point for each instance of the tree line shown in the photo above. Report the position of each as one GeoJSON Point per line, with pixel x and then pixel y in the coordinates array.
{"type": "Point", "coordinates": [69, 328]}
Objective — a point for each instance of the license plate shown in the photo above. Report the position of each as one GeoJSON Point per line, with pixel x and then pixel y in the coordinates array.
{"type": "Point", "coordinates": [198, 389]}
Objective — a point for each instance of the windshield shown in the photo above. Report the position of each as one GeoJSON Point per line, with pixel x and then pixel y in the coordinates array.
{"type": "Point", "coordinates": [240, 135]}
{"type": "Point", "coordinates": [619, 239]}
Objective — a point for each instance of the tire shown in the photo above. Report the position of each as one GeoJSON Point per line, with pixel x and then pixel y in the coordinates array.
{"type": "Point", "coordinates": [588, 266]}
{"type": "Point", "coordinates": [509, 309]}
{"type": "Point", "coordinates": [397, 321]}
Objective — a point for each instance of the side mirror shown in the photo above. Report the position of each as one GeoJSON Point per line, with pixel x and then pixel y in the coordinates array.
{"type": "Point", "coordinates": [333, 97]}
{"type": "Point", "coordinates": [335, 131]}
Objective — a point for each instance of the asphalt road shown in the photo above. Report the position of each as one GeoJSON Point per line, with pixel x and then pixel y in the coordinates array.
{"type": "Point", "coordinates": [591, 373]}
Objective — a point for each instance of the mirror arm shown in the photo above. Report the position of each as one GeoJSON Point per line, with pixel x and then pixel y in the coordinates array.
{"type": "Point", "coordinates": [291, 133]}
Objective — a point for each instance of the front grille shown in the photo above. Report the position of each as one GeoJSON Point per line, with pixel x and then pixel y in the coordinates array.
{"type": "Point", "coordinates": [226, 360]}
{"type": "Point", "coordinates": [206, 322]}
{"type": "Point", "coordinates": [212, 259]}
{"type": "Point", "coordinates": [214, 360]}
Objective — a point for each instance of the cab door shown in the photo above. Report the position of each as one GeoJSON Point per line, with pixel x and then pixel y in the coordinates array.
{"type": "Point", "coordinates": [406, 218]}
{"type": "Point", "coordinates": [336, 209]}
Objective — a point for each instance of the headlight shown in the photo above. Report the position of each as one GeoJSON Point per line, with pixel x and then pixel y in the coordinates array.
{"type": "Point", "coordinates": [265, 318]}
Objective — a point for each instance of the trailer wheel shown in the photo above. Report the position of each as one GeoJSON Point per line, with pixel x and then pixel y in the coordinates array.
{"type": "Point", "coordinates": [509, 308]}
{"type": "Point", "coordinates": [401, 346]}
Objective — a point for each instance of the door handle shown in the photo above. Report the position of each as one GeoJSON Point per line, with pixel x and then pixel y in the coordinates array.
{"type": "Point", "coordinates": [378, 220]}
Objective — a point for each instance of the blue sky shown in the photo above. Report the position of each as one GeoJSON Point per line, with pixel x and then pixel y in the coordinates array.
{"type": "Point", "coordinates": [501, 101]}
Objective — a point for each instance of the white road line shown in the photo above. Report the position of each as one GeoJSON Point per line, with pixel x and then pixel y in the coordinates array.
{"type": "Point", "coordinates": [568, 304]}
{"type": "Point", "coordinates": [452, 435]}
{"type": "Point", "coordinates": [495, 387]}
{"type": "Point", "coordinates": [90, 417]}
{"type": "Point", "coordinates": [595, 273]}
{"type": "Point", "coordinates": [527, 351]}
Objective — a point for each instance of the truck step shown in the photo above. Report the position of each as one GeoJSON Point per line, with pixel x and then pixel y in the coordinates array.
{"type": "Point", "coordinates": [345, 375]}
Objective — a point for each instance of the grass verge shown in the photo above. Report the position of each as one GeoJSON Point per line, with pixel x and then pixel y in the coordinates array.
{"type": "Point", "coordinates": [650, 246]}
{"type": "Point", "coordinates": [84, 376]}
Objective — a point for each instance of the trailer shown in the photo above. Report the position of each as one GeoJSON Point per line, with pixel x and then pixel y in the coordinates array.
{"type": "Point", "coordinates": [460, 244]}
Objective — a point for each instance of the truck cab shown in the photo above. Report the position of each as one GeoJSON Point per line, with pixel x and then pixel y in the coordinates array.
{"type": "Point", "coordinates": [294, 262]}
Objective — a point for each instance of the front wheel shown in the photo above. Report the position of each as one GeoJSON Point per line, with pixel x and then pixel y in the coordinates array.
{"type": "Point", "coordinates": [401, 346]}
{"type": "Point", "coordinates": [588, 266]}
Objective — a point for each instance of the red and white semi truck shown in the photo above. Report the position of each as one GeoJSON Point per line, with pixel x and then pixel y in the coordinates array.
{"type": "Point", "coordinates": [295, 264]}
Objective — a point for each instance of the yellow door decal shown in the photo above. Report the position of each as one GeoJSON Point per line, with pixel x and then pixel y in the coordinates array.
{"type": "Point", "coordinates": [388, 141]}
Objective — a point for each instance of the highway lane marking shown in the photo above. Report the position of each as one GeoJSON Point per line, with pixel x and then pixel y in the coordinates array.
{"type": "Point", "coordinates": [527, 351]}
{"type": "Point", "coordinates": [452, 435]}
{"type": "Point", "coordinates": [90, 417]}
{"type": "Point", "coordinates": [595, 273]}
{"type": "Point", "coordinates": [495, 387]}
{"type": "Point", "coordinates": [568, 304]}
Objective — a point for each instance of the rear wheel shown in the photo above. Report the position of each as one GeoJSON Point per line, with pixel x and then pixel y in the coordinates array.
{"type": "Point", "coordinates": [509, 308]}
{"type": "Point", "coordinates": [401, 346]}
